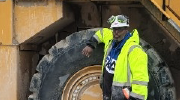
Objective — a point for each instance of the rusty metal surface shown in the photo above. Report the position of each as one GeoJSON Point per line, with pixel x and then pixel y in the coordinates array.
{"type": "Point", "coordinates": [28, 47]}
{"type": "Point", "coordinates": [26, 68]}
{"type": "Point", "coordinates": [89, 14]}
{"type": "Point", "coordinates": [6, 22]}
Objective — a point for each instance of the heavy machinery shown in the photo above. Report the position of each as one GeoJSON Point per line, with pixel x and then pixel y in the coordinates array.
{"type": "Point", "coordinates": [41, 43]}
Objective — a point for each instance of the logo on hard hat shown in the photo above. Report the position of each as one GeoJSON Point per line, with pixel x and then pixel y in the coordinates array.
{"type": "Point", "coordinates": [115, 23]}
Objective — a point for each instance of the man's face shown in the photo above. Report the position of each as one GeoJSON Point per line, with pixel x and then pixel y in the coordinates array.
{"type": "Point", "coordinates": [119, 33]}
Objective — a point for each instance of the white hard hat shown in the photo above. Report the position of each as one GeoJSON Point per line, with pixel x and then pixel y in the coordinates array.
{"type": "Point", "coordinates": [118, 21]}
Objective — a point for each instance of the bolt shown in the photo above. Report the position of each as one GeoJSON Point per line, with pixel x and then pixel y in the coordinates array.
{"type": "Point", "coordinates": [94, 77]}
{"type": "Point", "coordinates": [78, 87]}
{"type": "Point", "coordinates": [83, 82]}
{"type": "Point", "coordinates": [90, 78]}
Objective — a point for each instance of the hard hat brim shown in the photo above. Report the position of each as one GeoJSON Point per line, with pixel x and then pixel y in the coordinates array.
{"type": "Point", "coordinates": [119, 25]}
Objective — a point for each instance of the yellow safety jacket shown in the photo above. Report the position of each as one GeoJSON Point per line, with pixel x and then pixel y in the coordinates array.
{"type": "Point", "coordinates": [131, 65]}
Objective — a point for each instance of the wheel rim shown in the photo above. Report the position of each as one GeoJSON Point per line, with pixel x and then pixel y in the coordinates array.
{"type": "Point", "coordinates": [84, 85]}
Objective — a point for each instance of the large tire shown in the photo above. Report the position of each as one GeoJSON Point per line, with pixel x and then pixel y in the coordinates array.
{"type": "Point", "coordinates": [64, 60]}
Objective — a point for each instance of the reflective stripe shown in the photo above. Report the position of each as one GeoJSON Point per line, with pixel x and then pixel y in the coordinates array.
{"type": "Point", "coordinates": [121, 84]}
{"type": "Point", "coordinates": [140, 83]}
{"type": "Point", "coordinates": [128, 73]}
{"type": "Point", "coordinates": [137, 96]}
{"type": "Point", "coordinates": [97, 38]}
{"type": "Point", "coordinates": [128, 65]}
{"type": "Point", "coordinates": [132, 47]}
{"type": "Point", "coordinates": [128, 83]}
{"type": "Point", "coordinates": [136, 82]}
{"type": "Point", "coordinates": [101, 31]}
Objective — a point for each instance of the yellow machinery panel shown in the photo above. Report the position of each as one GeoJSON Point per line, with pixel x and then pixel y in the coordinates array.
{"type": "Point", "coordinates": [32, 17]}
{"type": "Point", "coordinates": [6, 20]}
{"type": "Point", "coordinates": [169, 8]}
{"type": "Point", "coordinates": [20, 21]}
{"type": "Point", "coordinates": [174, 5]}
{"type": "Point", "coordinates": [172, 8]}
{"type": "Point", "coordinates": [8, 72]}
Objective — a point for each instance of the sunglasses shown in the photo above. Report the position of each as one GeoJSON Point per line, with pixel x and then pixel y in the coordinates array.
{"type": "Point", "coordinates": [120, 18]}
{"type": "Point", "coordinates": [119, 28]}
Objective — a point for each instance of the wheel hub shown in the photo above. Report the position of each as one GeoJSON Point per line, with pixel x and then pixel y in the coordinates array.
{"type": "Point", "coordinates": [84, 85]}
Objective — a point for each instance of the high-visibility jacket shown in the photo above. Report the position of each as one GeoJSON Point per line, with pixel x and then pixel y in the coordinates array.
{"type": "Point", "coordinates": [131, 65]}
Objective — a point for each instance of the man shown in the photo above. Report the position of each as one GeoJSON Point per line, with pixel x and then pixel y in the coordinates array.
{"type": "Point", "coordinates": [124, 72]}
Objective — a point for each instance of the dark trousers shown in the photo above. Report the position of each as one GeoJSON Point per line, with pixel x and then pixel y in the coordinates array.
{"type": "Point", "coordinates": [116, 94]}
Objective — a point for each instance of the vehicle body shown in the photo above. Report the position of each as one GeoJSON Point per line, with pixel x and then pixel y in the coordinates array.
{"type": "Point", "coordinates": [29, 28]}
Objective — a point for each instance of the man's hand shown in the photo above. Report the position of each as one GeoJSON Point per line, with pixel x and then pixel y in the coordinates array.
{"type": "Point", "coordinates": [126, 93]}
{"type": "Point", "coordinates": [87, 51]}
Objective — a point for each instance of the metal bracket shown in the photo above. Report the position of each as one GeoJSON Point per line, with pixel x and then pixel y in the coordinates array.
{"type": "Point", "coordinates": [174, 25]}
{"type": "Point", "coordinates": [28, 47]}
